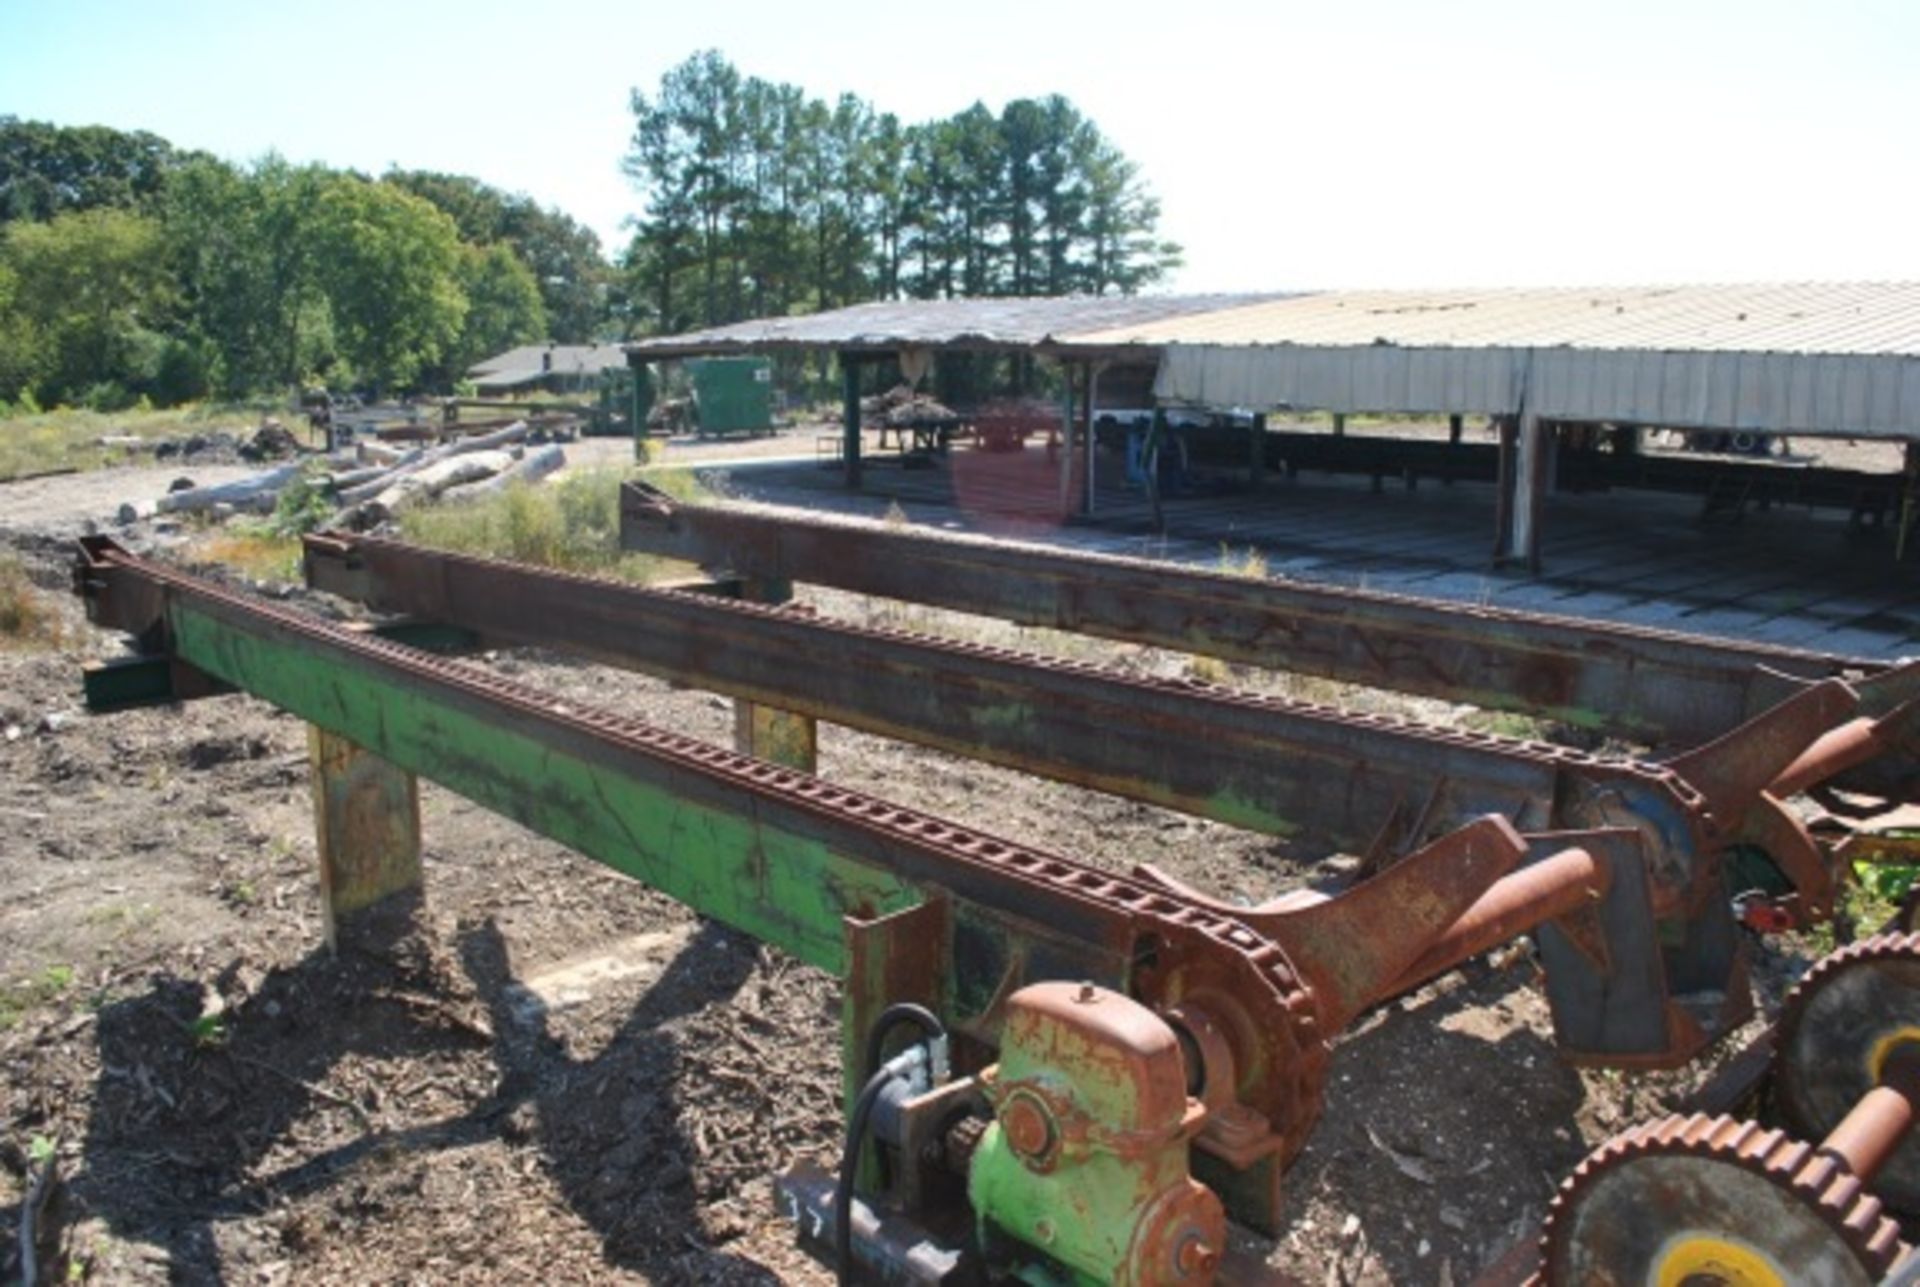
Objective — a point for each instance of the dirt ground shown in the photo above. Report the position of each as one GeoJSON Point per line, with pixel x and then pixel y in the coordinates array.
{"type": "Point", "coordinates": [552, 1073]}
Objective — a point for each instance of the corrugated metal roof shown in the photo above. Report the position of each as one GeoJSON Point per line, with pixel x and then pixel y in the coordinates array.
{"type": "Point", "coordinates": [562, 359]}
{"type": "Point", "coordinates": [1814, 358]}
{"type": "Point", "coordinates": [1842, 318]}
{"type": "Point", "coordinates": [1835, 359]}
{"type": "Point", "coordinates": [1016, 323]}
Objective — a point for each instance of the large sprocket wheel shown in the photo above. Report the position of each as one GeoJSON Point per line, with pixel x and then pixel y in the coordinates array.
{"type": "Point", "coordinates": [1708, 1201]}
{"type": "Point", "coordinates": [1836, 1031]}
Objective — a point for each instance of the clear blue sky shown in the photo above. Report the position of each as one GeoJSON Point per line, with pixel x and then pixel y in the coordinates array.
{"type": "Point", "coordinates": [1474, 142]}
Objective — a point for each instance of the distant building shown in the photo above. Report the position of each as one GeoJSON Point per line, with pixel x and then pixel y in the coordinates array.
{"type": "Point", "coordinates": [547, 368]}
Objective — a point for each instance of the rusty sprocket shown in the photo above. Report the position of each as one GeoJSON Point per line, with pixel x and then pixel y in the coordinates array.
{"type": "Point", "coordinates": [1707, 1196]}
{"type": "Point", "coordinates": [1835, 1030]}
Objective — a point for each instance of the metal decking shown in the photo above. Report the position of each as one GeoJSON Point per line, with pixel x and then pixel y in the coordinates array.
{"type": "Point", "coordinates": [1789, 577]}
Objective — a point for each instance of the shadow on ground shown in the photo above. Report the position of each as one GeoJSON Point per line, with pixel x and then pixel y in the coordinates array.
{"type": "Point", "coordinates": [223, 1140]}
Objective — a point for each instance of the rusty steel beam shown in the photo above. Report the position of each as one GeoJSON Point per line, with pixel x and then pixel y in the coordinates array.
{"type": "Point", "coordinates": [1365, 783]}
{"type": "Point", "coordinates": [814, 868]}
{"type": "Point", "coordinates": [1657, 687]}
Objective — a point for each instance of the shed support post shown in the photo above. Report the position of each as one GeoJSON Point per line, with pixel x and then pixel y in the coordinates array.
{"type": "Point", "coordinates": [1909, 495]}
{"type": "Point", "coordinates": [850, 417]}
{"type": "Point", "coordinates": [1070, 417]}
{"type": "Point", "coordinates": [1339, 424]}
{"type": "Point", "coordinates": [1093, 446]}
{"type": "Point", "coordinates": [1523, 486]}
{"type": "Point", "coordinates": [1089, 373]}
{"type": "Point", "coordinates": [1257, 452]}
{"type": "Point", "coordinates": [1503, 488]}
{"type": "Point", "coordinates": [767, 732]}
{"type": "Point", "coordinates": [641, 404]}
{"type": "Point", "coordinates": [366, 814]}
{"type": "Point", "coordinates": [1456, 425]}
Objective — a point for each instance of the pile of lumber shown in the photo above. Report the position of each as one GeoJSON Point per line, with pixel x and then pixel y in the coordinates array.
{"type": "Point", "coordinates": [901, 406]}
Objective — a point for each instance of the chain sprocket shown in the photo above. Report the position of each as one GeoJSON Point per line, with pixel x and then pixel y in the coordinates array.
{"type": "Point", "coordinates": [1703, 1191]}
{"type": "Point", "coordinates": [1835, 1030]}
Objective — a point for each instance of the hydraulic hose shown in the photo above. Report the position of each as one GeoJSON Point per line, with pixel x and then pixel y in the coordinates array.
{"type": "Point", "coordinates": [892, 1017]}
{"type": "Point", "coordinates": [882, 1075]}
{"type": "Point", "coordinates": [849, 1164]}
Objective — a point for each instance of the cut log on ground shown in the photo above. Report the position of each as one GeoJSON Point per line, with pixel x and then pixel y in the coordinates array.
{"type": "Point", "coordinates": [383, 455]}
{"type": "Point", "coordinates": [425, 459]}
{"type": "Point", "coordinates": [424, 484]}
{"type": "Point", "coordinates": [257, 491]}
{"type": "Point", "coordinates": [530, 468]}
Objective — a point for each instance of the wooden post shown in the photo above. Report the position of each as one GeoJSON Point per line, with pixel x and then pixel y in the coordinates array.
{"type": "Point", "coordinates": [1456, 425]}
{"type": "Point", "coordinates": [1257, 452]}
{"type": "Point", "coordinates": [366, 814]}
{"type": "Point", "coordinates": [767, 732]}
{"type": "Point", "coordinates": [850, 417]}
{"type": "Point", "coordinates": [1339, 424]}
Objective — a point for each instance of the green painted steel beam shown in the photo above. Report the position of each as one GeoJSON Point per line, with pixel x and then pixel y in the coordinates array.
{"type": "Point", "coordinates": [154, 679]}
{"type": "Point", "coordinates": [784, 886]}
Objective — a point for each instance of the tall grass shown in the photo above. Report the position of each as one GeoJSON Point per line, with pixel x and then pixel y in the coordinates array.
{"type": "Point", "coordinates": [251, 549]}
{"type": "Point", "coordinates": [571, 523]}
{"type": "Point", "coordinates": [28, 617]}
{"type": "Point", "coordinates": [69, 439]}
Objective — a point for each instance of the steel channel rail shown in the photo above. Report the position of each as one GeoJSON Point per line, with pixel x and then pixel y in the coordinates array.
{"type": "Point", "coordinates": [1265, 763]}
{"type": "Point", "coordinates": [791, 859]}
{"type": "Point", "coordinates": [1657, 687]}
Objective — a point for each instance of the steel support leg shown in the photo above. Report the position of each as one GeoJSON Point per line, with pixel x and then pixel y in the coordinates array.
{"type": "Point", "coordinates": [767, 732]}
{"type": "Point", "coordinates": [366, 814]}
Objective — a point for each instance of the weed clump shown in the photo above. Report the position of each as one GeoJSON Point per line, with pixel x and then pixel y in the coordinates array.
{"type": "Point", "coordinates": [27, 616]}
{"type": "Point", "coordinates": [572, 523]}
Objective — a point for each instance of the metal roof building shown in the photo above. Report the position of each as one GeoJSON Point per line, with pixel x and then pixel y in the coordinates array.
{"type": "Point", "coordinates": [1808, 359]}
{"type": "Point", "coordinates": [968, 325]}
{"type": "Point", "coordinates": [533, 364]}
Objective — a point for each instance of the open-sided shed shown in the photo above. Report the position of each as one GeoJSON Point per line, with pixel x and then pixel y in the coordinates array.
{"type": "Point", "coordinates": [1838, 360]}
{"type": "Point", "coordinates": [915, 330]}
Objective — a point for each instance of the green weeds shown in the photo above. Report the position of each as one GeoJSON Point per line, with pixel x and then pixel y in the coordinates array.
{"type": "Point", "coordinates": [571, 523]}
{"type": "Point", "coordinates": [28, 617]}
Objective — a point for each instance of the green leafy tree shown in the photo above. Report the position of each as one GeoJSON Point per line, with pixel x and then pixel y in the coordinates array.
{"type": "Point", "coordinates": [389, 265]}
{"type": "Point", "coordinates": [240, 243]}
{"type": "Point", "coordinates": [22, 356]}
{"type": "Point", "coordinates": [92, 287]}
{"type": "Point", "coordinates": [503, 306]}
{"type": "Point", "coordinates": [48, 169]}
{"type": "Point", "coordinates": [564, 256]}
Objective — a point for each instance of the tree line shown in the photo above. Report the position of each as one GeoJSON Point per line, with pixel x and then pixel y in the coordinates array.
{"type": "Point", "coordinates": [761, 200]}
{"type": "Point", "coordinates": [131, 269]}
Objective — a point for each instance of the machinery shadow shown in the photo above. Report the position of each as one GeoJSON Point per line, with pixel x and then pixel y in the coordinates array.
{"type": "Point", "coordinates": [194, 1106]}
{"type": "Point", "coordinates": [622, 1160]}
